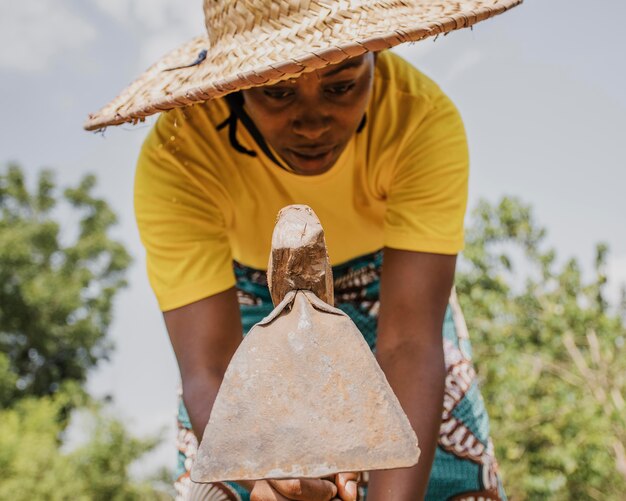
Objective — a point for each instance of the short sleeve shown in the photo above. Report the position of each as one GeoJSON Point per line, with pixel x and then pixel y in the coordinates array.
{"type": "Point", "coordinates": [181, 220]}
{"type": "Point", "coordinates": [427, 196]}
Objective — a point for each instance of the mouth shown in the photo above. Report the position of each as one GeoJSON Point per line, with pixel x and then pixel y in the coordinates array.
{"type": "Point", "coordinates": [312, 159]}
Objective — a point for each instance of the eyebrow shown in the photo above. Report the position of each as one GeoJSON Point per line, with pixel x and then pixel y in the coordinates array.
{"type": "Point", "coordinates": [350, 63]}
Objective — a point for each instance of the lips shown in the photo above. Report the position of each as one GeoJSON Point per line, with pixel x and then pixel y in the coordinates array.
{"type": "Point", "coordinates": [310, 161]}
{"type": "Point", "coordinates": [312, 153]}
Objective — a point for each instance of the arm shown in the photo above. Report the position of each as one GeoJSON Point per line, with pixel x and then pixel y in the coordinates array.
{"type": "Point", "coordinates": [415, 288]}
{"type": "Point", "coordinates": [204, 335]}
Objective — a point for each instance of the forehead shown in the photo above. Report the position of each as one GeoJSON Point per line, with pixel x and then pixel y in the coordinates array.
{"type": "Point", "coordinates": [348, 67]}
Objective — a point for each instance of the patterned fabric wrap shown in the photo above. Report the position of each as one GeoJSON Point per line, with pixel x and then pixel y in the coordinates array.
{"type": "Point", "coordinates": [465, 468]}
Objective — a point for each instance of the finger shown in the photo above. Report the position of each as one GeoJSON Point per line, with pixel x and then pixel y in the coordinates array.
{"type": "Point", "coordinates": [305, 489]}
{"type": "Point", "coordinates": [262, 491]}
{"type": "Point", "coordinates": [347, 485]}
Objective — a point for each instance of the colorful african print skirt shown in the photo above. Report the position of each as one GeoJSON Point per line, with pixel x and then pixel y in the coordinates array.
{"type": "Point", "coordinates": [464, 468]}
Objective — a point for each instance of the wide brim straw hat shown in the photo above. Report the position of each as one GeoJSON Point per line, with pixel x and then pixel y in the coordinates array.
{"type": "Point", "coordinates": [250, 43]}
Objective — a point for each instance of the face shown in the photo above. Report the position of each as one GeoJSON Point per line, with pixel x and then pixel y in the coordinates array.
{"type": "Point", "coordinates": [310, 120]}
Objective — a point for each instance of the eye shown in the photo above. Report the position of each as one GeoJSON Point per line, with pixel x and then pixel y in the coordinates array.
{"type": "Point", "coordinates": [340, 89]}
{"type": "Point", "coordinates": [278, 94]}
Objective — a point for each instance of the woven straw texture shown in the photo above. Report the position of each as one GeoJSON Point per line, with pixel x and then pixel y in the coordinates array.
{"type": "Point", "coordinates": [260, 42]}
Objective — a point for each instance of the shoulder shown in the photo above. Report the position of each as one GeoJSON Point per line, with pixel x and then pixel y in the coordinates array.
{"type": "Point", "coordinates": [193, 126]}
{"type": "Point", "coordinates": [406, 106]}
{"type": "Point", "coordinates": [185, 139]}
{"type": "Point", "coordinates": [398, 80]}
{"type": "Point", "coordinates": [412, 125]}
{"type": "Point", "coordinates": [184, 161]}
{"type": "Point", "coordinates": [405, 102]}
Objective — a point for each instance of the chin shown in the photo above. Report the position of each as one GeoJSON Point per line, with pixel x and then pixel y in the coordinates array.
{"type": "Point", "coordinates": [309, 170]}
{"type": "Point", "coordinates": [314, 166]}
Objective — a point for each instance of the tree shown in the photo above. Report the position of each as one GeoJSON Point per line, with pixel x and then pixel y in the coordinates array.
{"type": "Point", "coordinates": [56, 303]}
{"type": "Point", "coordinates": [55, 298]}
{"type": "Point", "coordinates": [550, 353]}
{"type": "Point", "coordinates": [33, 466]}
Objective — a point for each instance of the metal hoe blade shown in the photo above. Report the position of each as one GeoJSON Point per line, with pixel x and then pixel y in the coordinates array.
{"type": "Point", "coordinates": [303, 396]}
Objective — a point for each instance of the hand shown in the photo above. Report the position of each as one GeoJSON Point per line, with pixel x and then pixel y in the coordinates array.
{"type": "Point", "coordinates": [299, 489]}
{"type": "Point", "coordinates": [344, 488]}
{"type": "Point", "coordinates": [347, 486]}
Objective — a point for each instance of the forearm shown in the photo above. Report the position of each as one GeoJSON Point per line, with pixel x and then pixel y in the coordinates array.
{"type": "Point", "coordinates": [204, 335]}
{"type": "Point", "coordinates": [417, 376]}
{"type": "Point", "coordinates": [414, 294]}
{"type": "Point", "coordinates": [199, 394]}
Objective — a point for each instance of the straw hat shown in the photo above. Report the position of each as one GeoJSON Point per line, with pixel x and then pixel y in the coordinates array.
{"type": "Point", "coordinates": [259, 42]}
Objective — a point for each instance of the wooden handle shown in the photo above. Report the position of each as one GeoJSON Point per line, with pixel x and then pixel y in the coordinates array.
{"type": "Point", "coordinates": [299, 259]}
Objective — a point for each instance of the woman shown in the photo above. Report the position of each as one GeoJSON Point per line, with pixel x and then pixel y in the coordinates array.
{"type": "Point", "coordinates": [379, 153]}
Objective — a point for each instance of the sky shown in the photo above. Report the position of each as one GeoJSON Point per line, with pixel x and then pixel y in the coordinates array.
{"type": "Point", "coordinates": [542, 90]}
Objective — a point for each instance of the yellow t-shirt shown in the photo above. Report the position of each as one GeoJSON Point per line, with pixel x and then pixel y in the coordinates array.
{"type": "Point", "coordinates": [401, 182]}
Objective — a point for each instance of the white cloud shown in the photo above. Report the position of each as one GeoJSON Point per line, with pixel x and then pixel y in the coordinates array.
{"type": "Point", "coordinates": [34, 33]}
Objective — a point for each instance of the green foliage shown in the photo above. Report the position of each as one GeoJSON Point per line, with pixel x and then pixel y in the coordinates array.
{"type": "Point", "coordinates": [55, 307]}
{"type": "Point", "coordinates": [550, 353]}
{"type": "Point", "coordinates": [33, 468]}
{"type": "Point", "coordinates": [55, 299]}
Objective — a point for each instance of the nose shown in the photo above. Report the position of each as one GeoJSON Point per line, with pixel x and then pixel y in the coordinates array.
{"type": "Point", "coordinates": [311, 123]}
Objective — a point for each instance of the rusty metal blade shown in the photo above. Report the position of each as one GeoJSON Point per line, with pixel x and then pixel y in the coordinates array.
{"type": "Point", "coordinates": [303, 397]}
